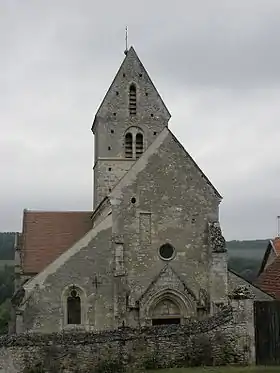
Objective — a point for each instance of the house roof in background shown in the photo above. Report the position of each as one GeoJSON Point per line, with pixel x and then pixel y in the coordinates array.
{"type": "Point", "coordinates": [276, 245]}
{"type": "Point", "coordinates": [269, 279]}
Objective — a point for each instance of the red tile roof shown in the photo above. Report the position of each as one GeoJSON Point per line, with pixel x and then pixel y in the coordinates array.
{"type": "Point", "coordinates": [276, 245]}
{"type": "Point", "coordinates": [269, 279]}
{"type": "Point", "coordinates": [46, 235]}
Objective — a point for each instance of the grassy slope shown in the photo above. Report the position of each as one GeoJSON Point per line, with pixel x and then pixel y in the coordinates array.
{"type": "Point", "coordinates": [253, 249]}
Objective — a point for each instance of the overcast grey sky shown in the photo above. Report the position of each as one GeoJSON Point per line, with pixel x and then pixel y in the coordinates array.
{"type": "Point", "coordinates": [215, 63]}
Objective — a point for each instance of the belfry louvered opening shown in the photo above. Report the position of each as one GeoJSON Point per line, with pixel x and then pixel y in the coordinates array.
{"type": "Point", "coordinates": [128, 145]}
{"type": "Point", "coordinates": [132, 99]}
{"type": "Point", "coordinates": [139, 145]}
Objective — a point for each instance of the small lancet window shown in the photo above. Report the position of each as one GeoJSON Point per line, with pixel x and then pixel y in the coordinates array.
{"type": "Point", "coordinates": [139, 145]}
{"type": "Point", "coordinates": [128, 145]}
{"type": "Point", "coordinates": [132, 99]}
{"type": "Point", "coordinates": [73, 308]}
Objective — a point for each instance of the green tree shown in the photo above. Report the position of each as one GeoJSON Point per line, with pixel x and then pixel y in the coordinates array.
{"type": "Point", "coordinates": [6, 292]}
{"type": "Point", "coordinates": [7, 242]}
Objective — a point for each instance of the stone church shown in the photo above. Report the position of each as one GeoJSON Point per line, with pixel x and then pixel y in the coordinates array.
{"type": "Point", "coordinates": [151, 252]}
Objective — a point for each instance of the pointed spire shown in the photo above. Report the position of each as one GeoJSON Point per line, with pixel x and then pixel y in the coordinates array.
{"type": "Point", "coordinates": [130, 70]}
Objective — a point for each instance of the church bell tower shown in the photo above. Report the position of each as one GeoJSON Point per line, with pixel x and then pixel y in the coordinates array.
{"type": "Point", "coordinates": [128, 120]}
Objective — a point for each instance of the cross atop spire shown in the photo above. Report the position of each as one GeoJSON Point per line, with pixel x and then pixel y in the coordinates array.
{"type": "Point", "coordinates": [126, 48]}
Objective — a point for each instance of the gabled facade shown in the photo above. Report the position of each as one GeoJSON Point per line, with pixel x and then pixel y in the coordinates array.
{"type": "Point", "coordinates": [152, 252]}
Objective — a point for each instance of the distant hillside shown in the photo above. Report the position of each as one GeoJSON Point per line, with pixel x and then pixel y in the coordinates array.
{"type": "Point", "coordinates": [253, 249]}
{"type": "Point", "coordinates": [247, 249]}
{"type": "Point", "coordinates": [244, 256]}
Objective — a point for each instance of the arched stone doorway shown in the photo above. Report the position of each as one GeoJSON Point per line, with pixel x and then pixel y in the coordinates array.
{"type": "Point", "coordinates": [166, 306]}
{"type": "Point", "coordinates": [166, 312]}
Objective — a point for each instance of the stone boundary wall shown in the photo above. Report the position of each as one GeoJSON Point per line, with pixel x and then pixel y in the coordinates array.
{"type": "Point", "coordinates": [213, 341]}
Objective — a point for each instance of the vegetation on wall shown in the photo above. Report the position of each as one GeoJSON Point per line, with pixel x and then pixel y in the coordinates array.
{"type": "Point", "coordinates": [6, 292]}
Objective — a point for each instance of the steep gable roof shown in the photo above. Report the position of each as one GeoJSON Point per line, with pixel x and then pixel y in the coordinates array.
{"type": "Point", "coordinates": [131, 58]}
{"type": "Point", "coordinates": [47, 234]}
{"type": "Point", "coordinates": [269, 274]}
{"type": "Point", "coordinates": [272, 247]}
{"type": "Point", "coordinates": [141, 163]}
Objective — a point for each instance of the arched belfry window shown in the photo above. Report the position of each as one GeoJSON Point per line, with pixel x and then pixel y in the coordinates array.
{"type": "Point", "coordinates": [139, 145]}
{"type": "Point", "coordinates": [128, 145]}
{"type": "Point", "coordinates": [132, 99]}
{"type": "Point", "coordinates": [74, 308]}
{"type": "Point", "coordinates": [134, 142]}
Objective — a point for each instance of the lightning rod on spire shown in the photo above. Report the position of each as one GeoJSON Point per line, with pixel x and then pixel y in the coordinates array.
{"type": "Point", "coordinates": [126, 50]}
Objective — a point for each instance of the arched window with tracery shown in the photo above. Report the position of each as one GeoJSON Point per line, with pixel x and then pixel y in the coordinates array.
{"type": "Point", "coordinates": [132, 99]}
{"type": "Point", "coordinates": [128, 145]}
{"type": "Point", "coordinates": [74, 314]}
{"type": "Point", "coordinates": [139, 145]}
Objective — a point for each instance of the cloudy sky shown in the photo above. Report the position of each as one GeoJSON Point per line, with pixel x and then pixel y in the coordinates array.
{"type": "Point", "coordinates": [216, 64]}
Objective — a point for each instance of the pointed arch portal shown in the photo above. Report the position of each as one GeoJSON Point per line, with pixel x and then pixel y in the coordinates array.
{"type": "Point", "coordinates": [166, 311]}
{"type": "Point", "coordinates": [167, 308]}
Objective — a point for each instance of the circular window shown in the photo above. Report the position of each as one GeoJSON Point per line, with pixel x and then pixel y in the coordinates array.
{"type": "Point", "coordinates": [166, 251]}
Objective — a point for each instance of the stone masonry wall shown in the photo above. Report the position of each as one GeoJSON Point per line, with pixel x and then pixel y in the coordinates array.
{"type": "Point", "coordinates": [217, 340]}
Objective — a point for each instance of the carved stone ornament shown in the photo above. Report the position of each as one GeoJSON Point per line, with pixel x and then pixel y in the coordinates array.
{"type": "Point", "coordinates": [204, 299]}
{"type": "Point", "coordinates": [216, 240]}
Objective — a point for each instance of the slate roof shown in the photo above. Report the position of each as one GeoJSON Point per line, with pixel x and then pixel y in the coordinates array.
{"type": "Point", "coordinates": [47, 234]}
